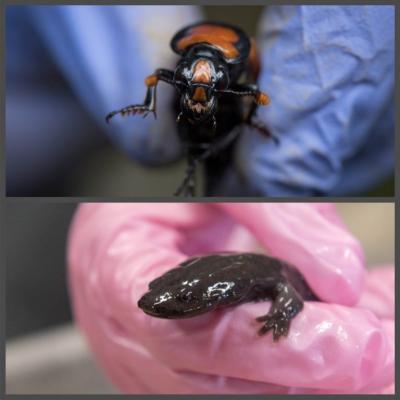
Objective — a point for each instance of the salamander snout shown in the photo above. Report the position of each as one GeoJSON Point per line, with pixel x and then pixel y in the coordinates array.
{"type": "Point", "coordinates": [153, 304]}
{"type": "Point", "coordinates": [161, 304]}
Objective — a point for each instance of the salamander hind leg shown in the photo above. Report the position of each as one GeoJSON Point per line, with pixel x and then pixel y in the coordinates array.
{"type": "Point", "coordinates": [287, 303]}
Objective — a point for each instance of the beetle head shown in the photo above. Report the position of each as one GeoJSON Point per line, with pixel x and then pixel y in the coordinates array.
{"type": "Point", "coordinates": [201, 78]}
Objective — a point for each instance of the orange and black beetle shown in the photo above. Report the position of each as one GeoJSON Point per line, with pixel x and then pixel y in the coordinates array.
{"type": "Point", "coordinates": [215, 59]}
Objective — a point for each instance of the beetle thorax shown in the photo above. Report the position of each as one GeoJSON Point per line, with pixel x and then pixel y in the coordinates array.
{"type": "Point", "coordinates": [202, 72]}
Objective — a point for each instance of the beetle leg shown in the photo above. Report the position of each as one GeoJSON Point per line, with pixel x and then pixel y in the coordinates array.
{"type": "Point", "coordinates": [179, 117]}
{"type": "Point", "coordinates": [129, 110]}
{"type": "Point", "coordinates": [190, 192]}
{"type": "Point", "coordinates": [149, 104]}
{"type": "Point", "coordinates": [220, 144]}
{"type": "Point", "coordinates": [187, 187]}
{"type": "Point", "coordinates": [260, 98]}
{"type": "Point", "coordinates": [214, 123]}
{"type": "Point", "coordinates": [252, 90]}
{"type": "Point", "coordinates": [262, 128]}
{"type": "Point", "coordinates": [141, 109]}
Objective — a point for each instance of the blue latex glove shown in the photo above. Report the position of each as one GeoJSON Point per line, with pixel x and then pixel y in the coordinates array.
{"type": "Point", "coordinates": [106, 52]}
{"type": "Point", "coordinates": [330, 74]}
{"type": "Point", "coordinates": [46, 127]}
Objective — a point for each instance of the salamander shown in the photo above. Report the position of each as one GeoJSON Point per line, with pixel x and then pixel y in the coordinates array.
{"type": "Point", "coordinates": [205, 283]}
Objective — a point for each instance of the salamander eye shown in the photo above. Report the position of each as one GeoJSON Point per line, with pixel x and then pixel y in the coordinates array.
{"type": "Point", "coordinates": [186, 297]}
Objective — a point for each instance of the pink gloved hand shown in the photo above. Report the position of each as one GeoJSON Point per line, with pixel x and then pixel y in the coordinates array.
{"type": "Point", "coordinates": [343, 345]}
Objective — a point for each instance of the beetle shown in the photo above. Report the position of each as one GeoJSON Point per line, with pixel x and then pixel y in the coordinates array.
{"type": "Point", "coordinates": [215, 81]}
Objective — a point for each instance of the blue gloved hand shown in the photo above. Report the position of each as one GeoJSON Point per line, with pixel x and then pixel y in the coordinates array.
{"type": "Point", "coordinates": [106, 52]}
{"type": "Point", "coordinates": [47, 130]}
{"type": "Point", "coordinates": [330, 74]}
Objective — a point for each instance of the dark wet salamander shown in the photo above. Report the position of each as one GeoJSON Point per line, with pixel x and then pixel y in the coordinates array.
{"type": "Point", "coordinates": [201, 284]}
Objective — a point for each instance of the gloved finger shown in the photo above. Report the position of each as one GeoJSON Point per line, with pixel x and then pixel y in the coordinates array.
{"type": "Point", "coordinates": [329, 71]}
{"type": "Point", "coordinates": [380, 384]}
{"type": "Point", "coordinates": [329, 211]}
{"type": "Point", "coordinates": [314, 239]}
{"type": "Point", "coordinates": [105, 53]}
{"type": "Point", "coordinates": [329, 347]}
{"type": "Point", "coordinates": [378, 295]}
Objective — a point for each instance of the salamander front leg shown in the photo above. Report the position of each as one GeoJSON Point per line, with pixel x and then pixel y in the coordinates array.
{"type": "Point", "coordinates": [286, 305]}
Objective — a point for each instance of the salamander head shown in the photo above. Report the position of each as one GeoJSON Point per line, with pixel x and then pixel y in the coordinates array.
{"type": "Point", "coordinates": [198, 285]}
{"type": "Point", "coordinates": [176, 301]}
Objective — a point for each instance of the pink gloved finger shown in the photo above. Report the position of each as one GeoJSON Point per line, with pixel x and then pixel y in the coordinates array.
{"type": "Point", "coordinates": [116, 249]}
{"type": "Point", "coordinates": [378, 295]}
{"type": "Point", "coordinates": [311, 237]}
{"type": "Point", "coordinates": [329, 347]}
{"type": "Point", "coordinates": [379, 385]}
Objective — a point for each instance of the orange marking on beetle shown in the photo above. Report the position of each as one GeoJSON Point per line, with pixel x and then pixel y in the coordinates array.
{"type": "Point", "coordinates": [226, 48]}
{"type": "Point", "coordinates": [221, 37]}
{"type": "Point", "coordinates": [262, 98]}
{"type": "Point", "coordinates": [216, 30]}
{"type": "Point", "coordinates": [202, 72]}
{"type": "Point", "coordinates": [151, 80]}
{"type": "Point", "coordinates": [199, 95]}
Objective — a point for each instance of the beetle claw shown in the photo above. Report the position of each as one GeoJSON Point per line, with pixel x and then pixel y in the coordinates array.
{"type": "Point", "coordinates": [132, 110]}
{"type": "Point", "coordinates": [145, 111]}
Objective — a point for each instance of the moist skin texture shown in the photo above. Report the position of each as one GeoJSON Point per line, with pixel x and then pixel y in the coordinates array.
{"type": "Point", "coordinates": [204, 283]}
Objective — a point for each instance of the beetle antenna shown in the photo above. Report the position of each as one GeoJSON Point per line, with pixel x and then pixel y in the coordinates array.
{"type": "Point", "coordinates": [179, 83]}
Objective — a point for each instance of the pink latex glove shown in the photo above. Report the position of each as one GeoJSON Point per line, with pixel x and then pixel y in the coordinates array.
{"type": "Point", "coordinates": [344, 346]}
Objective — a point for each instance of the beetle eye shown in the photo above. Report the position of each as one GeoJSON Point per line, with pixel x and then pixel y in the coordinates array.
{"type": "Point", "coordinates": [182, 73]}
{"type": "Point", "coordinates": [222, 80]}
{"type": "Point", "coordinates": [180, 77]}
